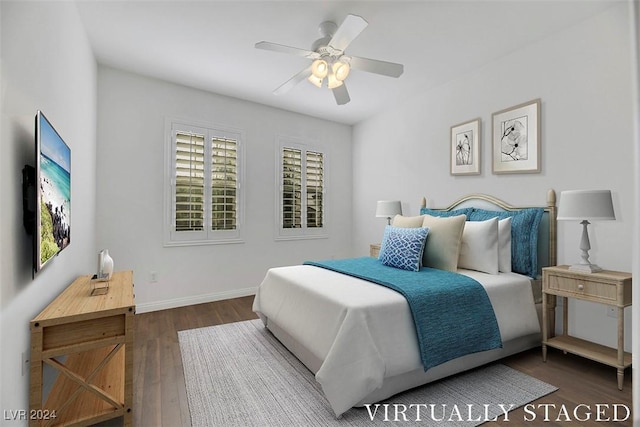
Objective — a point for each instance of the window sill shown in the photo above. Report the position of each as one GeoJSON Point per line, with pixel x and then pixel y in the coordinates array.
{"type": "Point", "coordinates": [202, 243]}
{"type": "Point", "coordinates": [302, 237]}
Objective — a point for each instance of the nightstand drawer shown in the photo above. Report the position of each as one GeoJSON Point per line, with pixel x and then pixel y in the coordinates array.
{"type": "Point", "coordinates": [582, 287]}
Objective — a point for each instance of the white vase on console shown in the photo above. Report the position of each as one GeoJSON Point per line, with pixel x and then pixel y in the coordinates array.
{"type": "Point", "coordinates": [107, 265]}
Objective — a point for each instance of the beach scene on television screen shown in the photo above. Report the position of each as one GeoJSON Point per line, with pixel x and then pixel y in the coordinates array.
{"type": "Point", "coordinates": [55, 191]}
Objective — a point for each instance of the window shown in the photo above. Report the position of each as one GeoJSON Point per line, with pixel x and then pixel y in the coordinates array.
{"type": "Point", "coordinates": [203, 194]}
{"type": "Point", "coordinates": [302, 191]}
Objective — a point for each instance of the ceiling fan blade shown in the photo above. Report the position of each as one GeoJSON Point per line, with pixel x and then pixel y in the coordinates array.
{"type": "Point", "coordinates": [341, 94]}
{"type": "Point", "coordinates": [350, 28]}
{"type": "Point", "coordinates": [390, 69]}
{"type": "Point", "coordinates": [293, 81]}
{"type": "Point", "coordinates": [287, 49]}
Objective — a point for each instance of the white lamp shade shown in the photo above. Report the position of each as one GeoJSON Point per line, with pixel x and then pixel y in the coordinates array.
{"type": "Point", "coordinates": [579, 205]}
{"type": "Point", "coordinates": [388, 208]}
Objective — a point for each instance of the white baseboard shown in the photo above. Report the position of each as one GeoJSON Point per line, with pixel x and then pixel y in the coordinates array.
{"type": "Point", "coordinates": [198, 299]}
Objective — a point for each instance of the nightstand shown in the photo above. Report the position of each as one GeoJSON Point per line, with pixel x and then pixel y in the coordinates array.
{"type": "Point", "coordinates": [374, 250]}
{"type": "Point", "coordinates": [605, 287]}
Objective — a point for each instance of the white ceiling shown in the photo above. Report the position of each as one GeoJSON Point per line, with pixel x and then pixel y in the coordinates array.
{"type": "Point", "coordinates": [209, 45]}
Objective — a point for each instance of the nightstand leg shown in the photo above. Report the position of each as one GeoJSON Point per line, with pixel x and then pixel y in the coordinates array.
{"type": "Point", "coordinates": [620, 346]}
{"type": "Point", "coordinates": [620, 378]}
{"type": "Point", "coordinates": [548, 321]}
{"type": "Point", "coordinates": [565, 316]}
{"type": "Point", "coordinates": [545, 326]}
{"type": "Point", "coordinates": [551, 309]}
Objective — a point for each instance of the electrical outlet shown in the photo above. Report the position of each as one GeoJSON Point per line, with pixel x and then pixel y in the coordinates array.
{"type": "Point", "coordinates": [153, 277]}
{"type": "Point", "coordinates": [25, 362]}
{"type": "Point", "coordinates": [612, 311]}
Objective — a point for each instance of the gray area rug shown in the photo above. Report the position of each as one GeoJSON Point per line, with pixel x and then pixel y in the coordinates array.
{"type": "Point", "coordinates": [238, 374]}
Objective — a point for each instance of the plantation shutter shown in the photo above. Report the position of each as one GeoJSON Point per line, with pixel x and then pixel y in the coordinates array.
{"type": "Point", "coordinates": [291, 188]}
{"type": "Point", "coordinates": [302, 191]}
{"type": "Point", "coordinates": [189, 182]}
{"type": "Point", "coordinates": [315, 188]}
{"type": "Point", "coordinates": [224, 183]}
{"type": "Point", "coordinates": [203, 201]}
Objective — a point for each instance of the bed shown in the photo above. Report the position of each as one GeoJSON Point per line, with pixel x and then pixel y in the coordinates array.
{"type": "Point", "coordinates": [359, 338]}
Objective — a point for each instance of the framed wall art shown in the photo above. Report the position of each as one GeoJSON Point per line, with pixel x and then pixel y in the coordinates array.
{"type": "Point", "coordinates": [465, 148]}
{"type": "Point", "coordinates": [516, 139]}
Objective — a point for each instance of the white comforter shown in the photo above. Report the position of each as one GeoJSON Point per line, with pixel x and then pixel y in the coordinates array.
{"type": "Point", "coordinates": [364, 332]}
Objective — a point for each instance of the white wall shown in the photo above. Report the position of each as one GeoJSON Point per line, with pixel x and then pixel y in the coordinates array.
{"type": "Point", "coordinates": [46, 65]}
{"type": "Point", "coordinates": [131, 143]}
{"type": "Point", "coordinates": [583, 77]}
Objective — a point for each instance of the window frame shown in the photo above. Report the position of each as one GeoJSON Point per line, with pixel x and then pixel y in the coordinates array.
{"type": "Point", "coordinates": [207, 236]}
{"type": "Point", "coordinates": [304, 232]}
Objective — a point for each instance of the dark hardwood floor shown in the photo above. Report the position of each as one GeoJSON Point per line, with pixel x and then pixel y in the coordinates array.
{"type": "Point", "coordinates": [160, 396]}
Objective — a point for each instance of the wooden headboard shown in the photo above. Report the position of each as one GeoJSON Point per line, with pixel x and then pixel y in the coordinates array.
{"type": "Point", "coordinates": [547, 231]}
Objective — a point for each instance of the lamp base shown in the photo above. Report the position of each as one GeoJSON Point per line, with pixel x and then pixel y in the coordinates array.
{"type": "Point", "coordinates": [585, 268]}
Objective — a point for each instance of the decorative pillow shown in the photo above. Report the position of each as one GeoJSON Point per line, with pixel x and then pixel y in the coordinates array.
{"type": "Point", "coordinates": [443, 245]}
{"type": "Point", "coordinates": [504, 245]}
{"type": "Point", "coordinates": [407, 221]}
{"type": "Point", "coordinates": [524, 236]}
{"type": "Point", "coordinates": [403, 247]}
{"type": "Point", "coordinates": [479, 246]}
{"type": "Point", "coordinates": [435, 212]}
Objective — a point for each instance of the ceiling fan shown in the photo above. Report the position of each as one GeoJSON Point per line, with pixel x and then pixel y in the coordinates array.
{"type": "Point", "coordinates": [330, 60]}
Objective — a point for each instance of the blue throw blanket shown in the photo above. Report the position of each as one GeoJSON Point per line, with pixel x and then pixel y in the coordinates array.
{"type": "Point", "coordinates": [452, 312]}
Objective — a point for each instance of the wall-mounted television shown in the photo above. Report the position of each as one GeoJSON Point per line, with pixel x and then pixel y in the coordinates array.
{"type": "Point", "coordinates": [52, 227]}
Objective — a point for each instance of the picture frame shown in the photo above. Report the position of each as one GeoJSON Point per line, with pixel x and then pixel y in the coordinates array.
{"type": "Point", "coordinates": [465, 148]}
{"type": "Point", "coordinates": [516, 142]}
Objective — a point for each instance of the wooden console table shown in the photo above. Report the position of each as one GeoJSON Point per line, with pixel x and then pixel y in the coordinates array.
{"type": "Point", "coordinates": [88, 340]}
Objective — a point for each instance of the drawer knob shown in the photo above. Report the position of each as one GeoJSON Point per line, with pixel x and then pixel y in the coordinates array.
{"type": "Point", "coordinates": [580, 287]}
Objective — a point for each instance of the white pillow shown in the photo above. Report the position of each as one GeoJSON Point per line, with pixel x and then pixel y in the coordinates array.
{"type": "Point", "coordinates": [504, 245]}
{"type": "Point", "coordinates": [479, 247]}
{"type": "Point", "coordinates": [407, 221]}
{"type": "Point", "coordinates": [443, 242]}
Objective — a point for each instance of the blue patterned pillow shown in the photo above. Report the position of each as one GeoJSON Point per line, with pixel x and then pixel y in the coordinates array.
{"type": "Point", "coordinates": [524, 236]}
{"type": "Point", "coordinates": [403, 247]}
{"type": "Point", "coordinates": [456, 212]}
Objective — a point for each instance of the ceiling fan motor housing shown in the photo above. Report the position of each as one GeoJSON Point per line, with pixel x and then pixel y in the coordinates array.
{"type": "Point", "coordinates": [326, 29]}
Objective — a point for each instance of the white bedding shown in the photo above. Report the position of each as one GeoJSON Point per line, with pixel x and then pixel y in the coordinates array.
{"type": "Point", "coordinates": [362, 333]}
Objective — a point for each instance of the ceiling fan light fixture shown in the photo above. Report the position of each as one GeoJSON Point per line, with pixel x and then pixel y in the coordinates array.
{"type": "Point", "coordinates": [316, 81]}
{"type": "Point", "coordinates": [319, 69]}
{"type": "Point", "coordinates": [333, 82]}
{"type": "Point", "coordinates": [341, 70]}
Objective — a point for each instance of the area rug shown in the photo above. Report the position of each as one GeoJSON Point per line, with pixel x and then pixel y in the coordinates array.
{"type": "Point", "coordinates": [238, 374]}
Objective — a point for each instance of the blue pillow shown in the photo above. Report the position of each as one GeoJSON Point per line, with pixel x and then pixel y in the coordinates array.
{"type": "Point", "coordinates": [435, 212]}
{"type": "Point", "coordinates": [524, 236]}
{"type": "Point", "coordinates": [403, 247]}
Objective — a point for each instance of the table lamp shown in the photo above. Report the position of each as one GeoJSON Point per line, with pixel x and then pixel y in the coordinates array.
{"type": "Point", "coordinates": [388, 209]}
{"type": "Point", "coordinates": [585, 205]}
